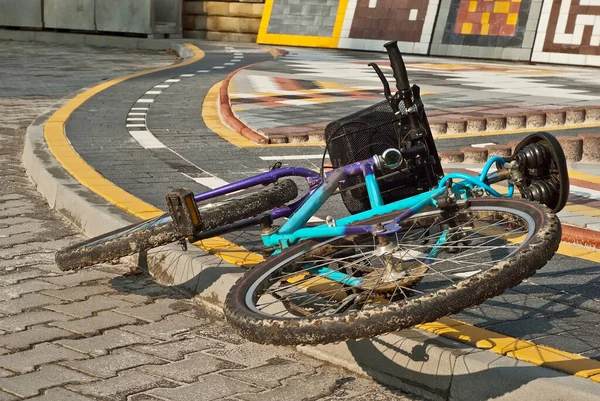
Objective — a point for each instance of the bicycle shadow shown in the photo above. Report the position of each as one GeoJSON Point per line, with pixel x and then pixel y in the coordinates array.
{"type": "Point", "coordinates": [172, 272]}
{"type": "Point", "coordinates": [442, 369]}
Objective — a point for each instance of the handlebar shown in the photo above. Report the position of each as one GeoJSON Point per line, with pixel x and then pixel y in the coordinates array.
{"type": "Point", "coordinates": [398, 67]}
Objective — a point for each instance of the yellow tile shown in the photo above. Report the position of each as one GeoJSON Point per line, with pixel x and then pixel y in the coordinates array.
{"type": "Point", "coordinates": [485, 29]}
{"type": "Point", "coordinates": [501, 7]}
{"type": "Point", "coordinates": [515, 1]}
{"type": "Point", "coordinates": [472, 6]}
{"type": "Point", "coordinates": [485, 18]}
{"type": "Point", "coordinates": [511, 19]}
{"type": "Point", "coordinates": [466, 29]}
{"type": "Point", "coordinates": [558, 360]}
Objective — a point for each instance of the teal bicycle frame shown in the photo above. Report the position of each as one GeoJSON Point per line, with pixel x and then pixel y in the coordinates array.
{"type": "Point", "coordinates": [293, 230]}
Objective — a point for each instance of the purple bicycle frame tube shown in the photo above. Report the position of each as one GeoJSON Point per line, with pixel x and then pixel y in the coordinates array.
{"type": "Point", "coordinates": [313, 178]}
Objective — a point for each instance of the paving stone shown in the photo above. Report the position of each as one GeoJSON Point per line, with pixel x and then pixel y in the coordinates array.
{"type": "Point", "coordinates": [7, 397]}
{"type": "Point", "coordinates": [165, 329]}
{"type": "Point", "coordinates": [102, 344]}
{"type": "Point", "coordinates": [27, 301]}
{"type": "Point", "coordinates": [297, 389]}
{"type": "Point", "coordinates": [176, 350]}
{"type": "Point", "coordinates": [109, 365]}
{"type": "Point", "coordinates": [207, 388]}
{"type": "Point", "coordinates": [118, 388]}
{"type": "Point", "coordinates": [24, 320]}
{"type": "Point", "coordinates": [33, 335]}
{"type": "Point", "coordinates": [258, 354]}
{"type": "Point", "coordinates": [155, 311]}
{"type": "Point", "coordinates": [143, 397]}
{"type": "Point", "coordinates": [78, 277]}
{"type": "Point", "coordinates": [270, 375]}
{"type": "Point", "coordinates": [15, 291]}
{"type": "Point", "coordinates": [26, 361]}
{"type": "Point", "coordinates": [133, 298]}
{"type": "Point", "coordinates": [79, 293]}
{"type": "Point", "coordinates": [30, 384]}
{"type": "Point", "coordinates": [13, 278]}
{"type": "Point", "coordinates": [104, 320]}
{"type": "Point", "coordinates": [60, 394]}
{"type": "Point", "coordinates": [193, 366]}
{"type": "Point", "coordinates": [90, 306]}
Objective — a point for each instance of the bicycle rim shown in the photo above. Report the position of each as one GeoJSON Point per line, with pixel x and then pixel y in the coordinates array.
{"type": "Point", "coordinates": [356, 280]}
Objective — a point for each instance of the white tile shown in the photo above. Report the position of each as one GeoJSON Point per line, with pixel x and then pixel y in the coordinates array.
{"type": "Point", "coordinates": [187, 75]}
{"type": "Point", "coordinates": [412, 16]}
{"type": "Point", "coordinates": [153, 92]}
{"type": "Point", "coordinates": [162, 86]}
{"type": "Point", "coordinates": [173, 80]}
{"type": "Point", "coordinates": [145, 101]}
{"type": "Point", "coordinates": [136, 119]}
{"type": "Point", "coordinates": [202, 71]}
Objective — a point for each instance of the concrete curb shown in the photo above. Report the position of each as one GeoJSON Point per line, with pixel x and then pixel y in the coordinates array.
{"type": "Point", "coordinates": [229, 117]}
{"type": "Point", "coordinates": [584, 148]}
{"type": "Point", "coordinates": [412, 360]}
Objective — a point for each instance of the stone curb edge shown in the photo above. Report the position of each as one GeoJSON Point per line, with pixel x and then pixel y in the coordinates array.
{"type": "Point", "coordinates": [227, 114]}
{"type": "Point", "coordinates": [583, 148]}
{"type": "Point", "coordinates": [94, 215]}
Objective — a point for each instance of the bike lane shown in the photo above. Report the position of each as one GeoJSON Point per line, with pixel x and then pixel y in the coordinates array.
{"type": "Point", "coordinates": [569, 310]}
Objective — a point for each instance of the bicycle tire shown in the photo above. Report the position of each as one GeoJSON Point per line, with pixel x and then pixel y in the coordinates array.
{"type": "Point", "coordinates": [160, 230]}
{"type": "Point", "coordinates": [269, 327]}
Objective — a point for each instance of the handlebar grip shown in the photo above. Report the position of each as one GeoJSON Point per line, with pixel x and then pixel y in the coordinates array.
{"type": "Point", "coordinates": [398, 67]}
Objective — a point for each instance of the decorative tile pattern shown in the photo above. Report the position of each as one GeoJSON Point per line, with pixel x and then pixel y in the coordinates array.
{"type": "Point", "coordinates": [487, 17]}
{"type": "Point", "coordinates": [569, 32]}
{"type": "Point", "coordinates": [303, 17]}
{"type": "Point", "coordinates": [486, 28]}
{"type": "Point", "coordinates": [487, 23]}
{"type": "Point", "coordinates": [368, 24]}
{"type": "Point", "coordinates": [315, 23]}
{"type": "Point", "coordinates": [385, 20]}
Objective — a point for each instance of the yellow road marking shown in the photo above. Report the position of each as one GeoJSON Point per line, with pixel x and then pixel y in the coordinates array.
{"type": "Point", "coordinates": [54, 133]}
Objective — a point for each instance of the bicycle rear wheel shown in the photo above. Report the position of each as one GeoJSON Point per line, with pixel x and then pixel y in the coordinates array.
{"type": "Point", "coordinates": [160, 230]}
{"type": "Point", "coordinates": [356, 286]}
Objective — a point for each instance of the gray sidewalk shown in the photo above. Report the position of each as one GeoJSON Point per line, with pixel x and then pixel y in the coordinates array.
{"type": "Point", "coordinates": [97, 334]}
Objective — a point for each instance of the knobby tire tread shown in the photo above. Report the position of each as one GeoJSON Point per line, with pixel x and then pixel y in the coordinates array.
{"type": "Point", "coordinates": [88, 253]}
{"type": "Point", "coordinates": [356, 325]}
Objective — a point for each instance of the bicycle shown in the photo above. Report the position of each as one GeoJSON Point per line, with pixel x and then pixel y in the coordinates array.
{"type": "Point", "coordinates": [379, 269]}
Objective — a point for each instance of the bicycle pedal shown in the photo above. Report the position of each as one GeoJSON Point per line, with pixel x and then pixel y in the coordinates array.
{"type": "Point", "coordinates": [184, 212]}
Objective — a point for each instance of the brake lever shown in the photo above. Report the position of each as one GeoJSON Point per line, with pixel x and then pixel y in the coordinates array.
{"type": "Point", "coordinates": [386, 85]}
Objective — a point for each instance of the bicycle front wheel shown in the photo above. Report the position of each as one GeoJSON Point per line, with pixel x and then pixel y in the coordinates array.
{"type": "Point", "coordinates": [356, 286]}
{"type": "Point", "coordinates": [160, 230]}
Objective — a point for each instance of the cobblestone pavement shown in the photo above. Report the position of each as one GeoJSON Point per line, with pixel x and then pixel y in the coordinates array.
{"type": "Point", "coordinates": [97, 334]}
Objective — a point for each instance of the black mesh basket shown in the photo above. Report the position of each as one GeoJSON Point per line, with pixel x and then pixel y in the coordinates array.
{"type": "Point", "coordinates": [371, 131]}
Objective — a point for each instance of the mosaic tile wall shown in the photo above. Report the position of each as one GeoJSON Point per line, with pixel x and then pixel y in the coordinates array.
{"type": "Point", "coordinates": [564, 31]}
{"type": "Point", "coordinates": [569, 33]}
{"type": "Point", "coordinates": [368, 24]}
{"type": "Point", "coordinates": [486, 28]}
